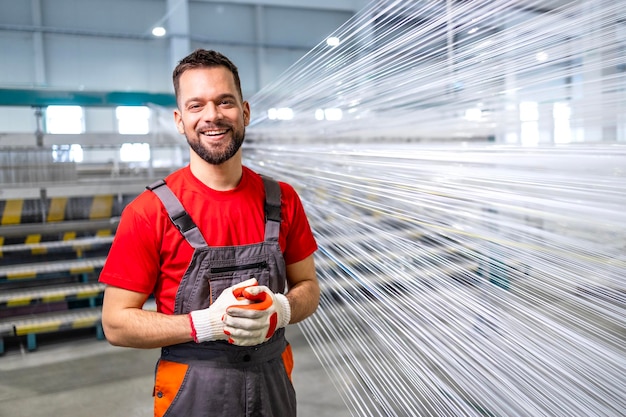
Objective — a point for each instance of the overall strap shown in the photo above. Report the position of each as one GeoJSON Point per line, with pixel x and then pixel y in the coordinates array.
{"type": "Point", "coordinates": [272, 209]}
{"type": "Point", "coordinates": [177, 214]}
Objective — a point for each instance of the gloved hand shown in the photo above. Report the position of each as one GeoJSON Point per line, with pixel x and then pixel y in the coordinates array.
{"type": "Point", "coordinates": [206, 324]}
{"type": "Point", "coordinates": [255, 323]}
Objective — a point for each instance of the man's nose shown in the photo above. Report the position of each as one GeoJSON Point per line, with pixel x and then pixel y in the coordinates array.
{"type": "Point", "coordinates": [211, 112]}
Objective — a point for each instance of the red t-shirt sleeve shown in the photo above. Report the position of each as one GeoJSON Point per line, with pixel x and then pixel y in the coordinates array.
{"type": "Point", "coordinates": [133, 260]}
{"type": "Point", "coordinates": [300, 242]}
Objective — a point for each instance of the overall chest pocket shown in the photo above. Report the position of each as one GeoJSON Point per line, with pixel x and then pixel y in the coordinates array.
{"type": "Point", "coordinates": [221, 277]}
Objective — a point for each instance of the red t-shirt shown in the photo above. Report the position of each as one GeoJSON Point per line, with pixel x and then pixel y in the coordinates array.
{"type": "Point", "coordinates": [149, 255]}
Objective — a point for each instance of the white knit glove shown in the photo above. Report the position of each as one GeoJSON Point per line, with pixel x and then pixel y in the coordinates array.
{"type": "Point", "coordinates": [255, 323]}
{"type": "Point", "coordinates": [206, 324]}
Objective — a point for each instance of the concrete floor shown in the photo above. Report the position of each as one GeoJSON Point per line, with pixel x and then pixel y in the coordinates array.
{"type": "Point", "coordinates": [77, 375]}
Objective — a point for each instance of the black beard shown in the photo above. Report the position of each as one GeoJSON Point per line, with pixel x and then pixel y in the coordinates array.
{"type": "Point", "coordinates": [217, 157]}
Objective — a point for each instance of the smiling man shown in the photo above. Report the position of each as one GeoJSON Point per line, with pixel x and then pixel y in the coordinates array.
{"type": "Point", "coordinates": [212, 113]}
{"type": "Point", "coordinates": [227, 255]}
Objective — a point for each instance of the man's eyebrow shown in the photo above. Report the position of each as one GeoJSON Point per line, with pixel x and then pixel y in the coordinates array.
{"type": "Point", "coordinates": [192, 99]}
{"type": "Point", "coordinates": [227, 95]}
{"type": "Point", "coordinates": [220, 97]}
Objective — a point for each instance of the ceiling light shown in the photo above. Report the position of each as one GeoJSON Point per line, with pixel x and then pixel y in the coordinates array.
{"type": "Point", "coordinates": [333, 41]}
{"type": "Point", "coordinates": [159, 31]}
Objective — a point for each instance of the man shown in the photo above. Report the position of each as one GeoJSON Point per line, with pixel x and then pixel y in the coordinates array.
{"type": "Point", "coordinates": [217, 245]}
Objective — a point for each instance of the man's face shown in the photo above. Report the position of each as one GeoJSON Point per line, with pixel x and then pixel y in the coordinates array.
{"type": "Point", "coordinates": [211, 114]}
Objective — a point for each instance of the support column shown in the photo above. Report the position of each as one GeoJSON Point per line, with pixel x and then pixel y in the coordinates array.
{"type": "Point", "coordinates": [589, 108]}
{"type": "Point", "coordinates": [509, 125]}
{"type": "Point", "coordinates": [620, 105]}
{"type": "Point", "coordinates": [178, 27]}
{"type": "Point", "coordinates": [38, 49]}
{"type": "Point", "coordinates": [260, 48]}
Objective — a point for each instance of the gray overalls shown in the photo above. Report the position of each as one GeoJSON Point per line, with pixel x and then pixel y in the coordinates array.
{"type": "Point", "coordinates": [217, 379]}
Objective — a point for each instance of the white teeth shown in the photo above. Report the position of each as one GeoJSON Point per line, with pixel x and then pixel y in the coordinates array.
{"type": "Point", "coordinates": [214, 132]}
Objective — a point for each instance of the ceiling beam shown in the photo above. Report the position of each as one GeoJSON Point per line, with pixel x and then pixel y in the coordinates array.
{"type": "Point", "coordinates": [341, 5]}
{"type": "Point", "coordinates": [46, 97]}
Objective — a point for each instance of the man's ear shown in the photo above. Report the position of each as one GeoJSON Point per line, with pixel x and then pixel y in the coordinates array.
{"type": "Point", "coordinates": [178, 119]}
{"type": "Point", "coordinates": [246, 113]}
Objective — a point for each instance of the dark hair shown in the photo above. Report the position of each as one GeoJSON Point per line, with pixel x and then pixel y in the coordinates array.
{"type": "Point", "coordinates": [202, 58]}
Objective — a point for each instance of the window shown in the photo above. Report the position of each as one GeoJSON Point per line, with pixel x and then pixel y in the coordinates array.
{"type": "Point", "coordinates": [329, 114]}
{"type": "Point", "coordinates": [562, 128]}
{"type": "Point", "coordinates": [529, 116]}
{"type": "Point", "coordinates": [133, 120]}
{"type": "Point", "coordinates": [67, 153]}
{"type": "Point", "coordinates": [474, 114]}
{"type": "Point", "coordinates": [135, 152]}
{"type": "Point", "coordinates": [283, 113]}
{"type": "Point", "coordinates": [65, 119]}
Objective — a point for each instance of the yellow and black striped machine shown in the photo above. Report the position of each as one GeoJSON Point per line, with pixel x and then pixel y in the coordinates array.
{"type": "Point", "coordinates": [51, 251]}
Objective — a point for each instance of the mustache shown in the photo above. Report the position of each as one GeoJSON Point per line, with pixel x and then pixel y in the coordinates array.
{"type": "Point", "coordinates": [214, 126]}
